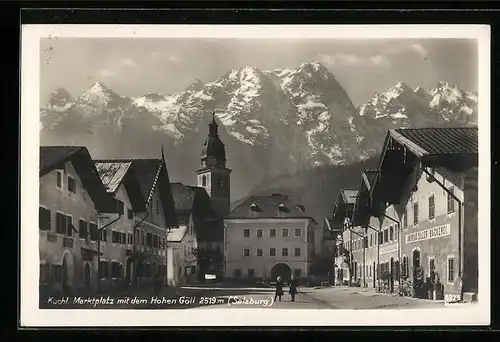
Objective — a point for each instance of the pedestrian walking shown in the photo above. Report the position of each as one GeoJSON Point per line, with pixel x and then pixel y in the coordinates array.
{"type": "Point", "coordinates": [293, 288]}
{"type": "Point", "coordinates": [279, 289]}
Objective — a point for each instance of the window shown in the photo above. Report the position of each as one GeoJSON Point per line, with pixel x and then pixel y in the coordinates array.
{"type": "Point", "coordinates": [82, 229]}
{"type": "Point", "coordinates": [380, 238]}
{"type": "Point", "coordinates": [246, 252]}
{"type": "Point", "coordinates": [297, 272]}
{"type": "Point", "coordinates": [115, 237]}
{"type": "Point", "coordinates": [60, 221]}
{"type": "Point", "coordinates": [237, 272]}
{"type": "Point", "coordinates": [284, 252]}
{"type": "Point", "coordinates": [272, 232]}
{"type": "Point", "coordinates": [432, 268]}
{"type": "Point", "coordinates": [431, 207]}
{"type": "Point", "coordinates": [371, 240]}
{"type": "Point", "coordinates": [386, 236]}
{"type": "Point", "coordinates": [391, 233]}
{"type": "Point", "coordinates": [129, 238]}
{"type": "Point", "coordinates": [259, 251]}
{"type": "Point", "coordinates": [103, 235]}
{"type": "Point", "coordinates": [130, 214]}
{"type": "Point", "coordinates": [204, 180]}
{"type": "Point", "coordinates": [149, 240]}
{"type": "Point", "coordinates": [259, 233]}
{"type": "Point", "coordinates": [415, 213]}
{"type": "Point", "coordinates": [67, 225]}
{"type": "Point", "coordinates": [71, 184]}
{"type": "Point", "coordinates": [93, 231]}
{"type": "Point", "coordinates": [405, 219]}
{"type": "Point", "coordinates": [246, 232]}
{"type": "Point", "coordinates": [451, 276]}
{"type": "Point", "coordinates": [251, 273]}
{"type": "Point", "coordinates": [451, 201]}
{"type": "Point", "coordinates": [272, 251]}
{"type": "Point", "coordinates": [365, 242]}
{"type": "Point", "coordinates": [123, 238]}
{"type": "Point", "coordinates": [44, 219]}
{"type": "Point", "coordinates": [103, 269]}
{"type": "Point", "coordinates": [284, 232]}
{"type": "Point", "coordinates": [298, 232]}
{"type": "Point", "coordinates": [119, 207]}
{"type": "Point", "coordinates": [297, 252]}
{"type": "Point", "coordinates": [59, 180]}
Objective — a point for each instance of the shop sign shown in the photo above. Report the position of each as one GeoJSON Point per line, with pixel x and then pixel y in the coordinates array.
{"type": "Point", "coordinates": [429, 234]}
{"type": "Point", "coordinates": [389, 249]}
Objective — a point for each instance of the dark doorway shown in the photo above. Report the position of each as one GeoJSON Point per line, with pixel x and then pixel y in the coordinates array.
{"type": "Point", "coordinates": [374, 274]}
{"type": "Point", "coordinates": [416, 259]}
{"type": "Point", "coordinates": [87, 276]}
{"type": "Point", "coordinates": [64, 277]}
{"type": "Point", "coordinates": [281, 270]}
{"type": "Point", "coordinates": [391, 279]}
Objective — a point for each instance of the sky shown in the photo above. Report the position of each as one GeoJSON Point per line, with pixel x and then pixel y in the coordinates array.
{"type": "Point", "coordinates": [133, 67]}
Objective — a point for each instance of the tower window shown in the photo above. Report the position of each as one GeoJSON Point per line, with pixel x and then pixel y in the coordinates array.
{"type": "Point", "coordinates": [204, 180]}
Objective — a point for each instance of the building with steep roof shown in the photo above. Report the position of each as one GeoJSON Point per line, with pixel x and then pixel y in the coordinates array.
{"type": "Point", "coordinates": [268, 236]}
{"type": "Point", "coordinates": [146, 253]}
{"type": "Point", "coordinates": [422, 205]}
{"type": "Point", "coordinates": [71, 195]}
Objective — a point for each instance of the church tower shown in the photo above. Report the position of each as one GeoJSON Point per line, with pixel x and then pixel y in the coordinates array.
{"type": "Point", "coordinates": [213, 174]}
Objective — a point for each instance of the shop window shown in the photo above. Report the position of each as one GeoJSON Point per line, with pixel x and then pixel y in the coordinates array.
{"type": "Point", "coordinates": [451, 270]}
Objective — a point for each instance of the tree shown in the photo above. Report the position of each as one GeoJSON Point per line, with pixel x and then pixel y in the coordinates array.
{"type": "Point", "coordinates": [209, 261]}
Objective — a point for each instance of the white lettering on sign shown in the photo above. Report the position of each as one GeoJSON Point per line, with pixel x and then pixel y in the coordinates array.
{"type": "Point", "coordinates": [429, 234]}
{"type": "Point", "coordinates": [389, 249]}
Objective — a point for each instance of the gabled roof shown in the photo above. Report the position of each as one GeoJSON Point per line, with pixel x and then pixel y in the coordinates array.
{"type": "Point", "coordinates": [115, 173]}
{"type": "Point", "coordinates": [55, 157]}
{"type": "Point", "coordinates": [183, 198]}
{"type": "Point", "coordinates": [152, 173]}
{"type": "Point", "coordinates": [438, 141]}
{"type": "Point", "coordinates": [269, 206]}
{"type": "Point", "coordinates": [369, 178]}
{"type": "Point", "coordinates": [349, 196]}
{"type": "Point", "coordinates": [177, 234]}
{"type": "Point", "coordinates": [112, 174]}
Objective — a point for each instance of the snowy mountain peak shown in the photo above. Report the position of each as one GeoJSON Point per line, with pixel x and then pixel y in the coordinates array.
{"type": "Point", "coordinates": [196, 85]}
{"type": "Point", "coordinates": [97, 94]}
{"type": "Point", "coordinates": [59, 98]}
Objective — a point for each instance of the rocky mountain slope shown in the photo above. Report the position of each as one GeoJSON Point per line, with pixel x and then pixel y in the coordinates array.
{"type": "Point", "coordinates": [273, 122]}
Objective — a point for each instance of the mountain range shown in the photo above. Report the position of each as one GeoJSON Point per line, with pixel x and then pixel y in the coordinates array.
{"type": "Point", "coordinates": [274, 123]}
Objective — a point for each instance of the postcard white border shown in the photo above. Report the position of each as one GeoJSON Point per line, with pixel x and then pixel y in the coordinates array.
{"type": "Point", "coordinates": [30, 315]}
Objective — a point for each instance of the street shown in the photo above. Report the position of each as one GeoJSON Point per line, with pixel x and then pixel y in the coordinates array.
{"type": "Point", "coordinates": [255, 296]}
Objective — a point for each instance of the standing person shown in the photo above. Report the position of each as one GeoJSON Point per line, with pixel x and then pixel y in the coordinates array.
{"type": "Point", "coordinates": [293, 288]}
{"type": "Point", "coordinates": [279, 289]}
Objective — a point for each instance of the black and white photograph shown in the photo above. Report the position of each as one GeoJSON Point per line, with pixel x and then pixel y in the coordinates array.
{"type": "Point", "coordinates": [262, 175]}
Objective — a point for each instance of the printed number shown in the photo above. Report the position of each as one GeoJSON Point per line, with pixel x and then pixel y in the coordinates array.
{"type": "Point", "coordinates": [451, 297]}
{"type": "Point", "coordinates": [207, 300]}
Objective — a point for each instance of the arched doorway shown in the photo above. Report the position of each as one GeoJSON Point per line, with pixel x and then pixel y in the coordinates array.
{"type": "Point", "coordinates": [86, 276]}
{"type": "Point", "coordinates": [416, 259]}
{"type": "Point", "coordinates": [281, 270]}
